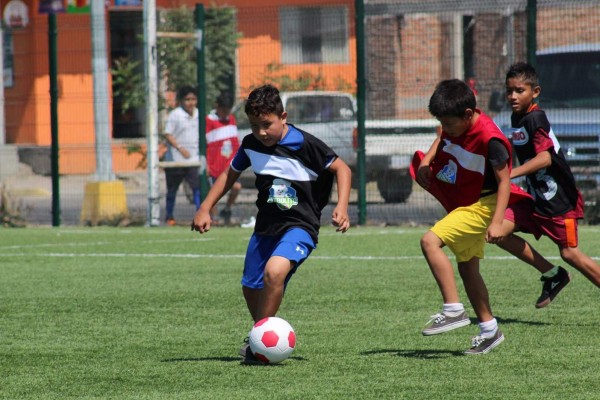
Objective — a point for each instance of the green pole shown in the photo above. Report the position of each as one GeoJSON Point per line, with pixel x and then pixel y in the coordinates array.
{"type": "Point", "coordinates": [199, 13]}
{"type": "Point", "coordinates": [531, 31]}
{"type": "Point", "coordinates": [361, 85]}
{"type": "Point", "coordinates": [52, 59]}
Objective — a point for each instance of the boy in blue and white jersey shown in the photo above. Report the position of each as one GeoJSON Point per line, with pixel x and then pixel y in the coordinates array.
{"type": "Point", "coordinates": [294, 176]}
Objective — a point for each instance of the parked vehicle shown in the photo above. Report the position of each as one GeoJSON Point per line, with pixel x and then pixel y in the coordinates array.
{"type": "Point", "coordinates": [390, 145]}
{"type": "Point", "coordinates": [570, 81]}
{"type": "Point", "coordinates": [331, 116]}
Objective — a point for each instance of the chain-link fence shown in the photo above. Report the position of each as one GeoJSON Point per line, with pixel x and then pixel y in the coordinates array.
{"type": "Point", "coordinates": [310, 53]}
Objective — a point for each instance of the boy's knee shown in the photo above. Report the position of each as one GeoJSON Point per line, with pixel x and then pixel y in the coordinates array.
{"type": "Point", "coordinates": [569, 254]}
{"type": "Point", "coordinates": [429, 240]}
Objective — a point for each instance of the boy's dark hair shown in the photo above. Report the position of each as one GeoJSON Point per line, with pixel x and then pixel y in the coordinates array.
{"type": "Point", "coordinates": [225, 100]}
{"type": "Point", "coordinates": [451, 98]}
{"type": "Point", "coordinates": [184, 91]}
{"type": "Point", "coordinates": [523, 71]}
{"type": "Point", "coordinates": [264, 100]}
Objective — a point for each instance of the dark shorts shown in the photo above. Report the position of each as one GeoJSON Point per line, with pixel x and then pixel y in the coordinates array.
{"type": "Point", "coordinates": [295, 245]}
{"type": "Point", "coordinates": [561, 230]}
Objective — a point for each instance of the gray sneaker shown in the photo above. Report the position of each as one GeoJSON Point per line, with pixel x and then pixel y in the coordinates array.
{"type": "Point", "coordinates": [440, 323]}
{"type": "Point", "coordinates": [483, 345]}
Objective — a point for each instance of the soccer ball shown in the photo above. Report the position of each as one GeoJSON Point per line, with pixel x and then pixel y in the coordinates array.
{"type": "Point", "coordinates": [272, 340]}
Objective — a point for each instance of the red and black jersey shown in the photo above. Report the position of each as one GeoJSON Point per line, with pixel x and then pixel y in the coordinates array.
{"type": "Point", "coordinates": [553, 188]}
{"type": "Point", "coordinates": [462, 163]}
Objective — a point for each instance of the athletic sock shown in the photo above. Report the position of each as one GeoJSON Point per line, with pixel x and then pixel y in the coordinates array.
{"type": "Point", "coordinates": [453, 309]}
{"type": "Point", "coordinates": [551, 273]}
{"type": "Point", "coordinates": [488, 329]}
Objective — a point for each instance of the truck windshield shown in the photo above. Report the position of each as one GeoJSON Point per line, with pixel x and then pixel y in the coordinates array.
{"type": "Point", "coordinates": [570, 80]}
{"type": "Point", "coordinates": [311, 109]}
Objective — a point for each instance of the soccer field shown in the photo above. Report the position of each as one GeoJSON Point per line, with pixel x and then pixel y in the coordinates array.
{"type": "Point", "coordinates": [157, 313]}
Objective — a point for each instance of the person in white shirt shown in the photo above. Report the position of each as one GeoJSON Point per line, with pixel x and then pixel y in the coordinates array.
{"type": "Point", "coordinates": [182, 136]}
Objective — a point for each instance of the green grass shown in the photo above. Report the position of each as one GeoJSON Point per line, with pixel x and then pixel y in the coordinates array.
{"type": "Point", "coordinates": [156, 313]}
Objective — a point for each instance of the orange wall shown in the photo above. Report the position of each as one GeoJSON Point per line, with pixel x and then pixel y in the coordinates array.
{"type": "Point", "coordinates": [27, 104]}
{"type": "Point", "coordinates": [258, 21]}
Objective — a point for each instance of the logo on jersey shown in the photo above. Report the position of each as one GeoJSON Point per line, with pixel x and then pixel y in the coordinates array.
{"type": "Point", "coordinates": [227, 149]}
{"type": "Point", "coordinates": [282, 194]}
{"type": "Point", "coordinates": [519, 136]}
{"type": "Point", "coordinates": [448, 173]}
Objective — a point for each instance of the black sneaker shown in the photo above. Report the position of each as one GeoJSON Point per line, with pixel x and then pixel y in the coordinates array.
{"type": "Point", "coordinates": [552, 287]}
{"type": "Point", "coordinates": [250, 359]}
{"type": "Point", "coordinates": [226, 215]}
{"type": "Point", "coordinates": [483, 345]}
{"type": "Point", "coordinates": [245, 349]}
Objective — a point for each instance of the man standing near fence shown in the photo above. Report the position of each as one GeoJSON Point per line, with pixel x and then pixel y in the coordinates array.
{"type": "Point", "coordinates": [181, 133]}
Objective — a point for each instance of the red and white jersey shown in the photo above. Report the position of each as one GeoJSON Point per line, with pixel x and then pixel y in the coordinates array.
{"type": "Point", "coordinates": [221, 142]}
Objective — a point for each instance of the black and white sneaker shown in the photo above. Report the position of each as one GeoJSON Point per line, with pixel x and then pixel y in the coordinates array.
{"type": "Point", "coordinates": [482, 345]}
{"type": "Point", "coordinates": [552, 287]}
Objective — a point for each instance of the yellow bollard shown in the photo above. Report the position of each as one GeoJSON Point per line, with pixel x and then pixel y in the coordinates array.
{"type": "Point", "coordinates": [104, 202]}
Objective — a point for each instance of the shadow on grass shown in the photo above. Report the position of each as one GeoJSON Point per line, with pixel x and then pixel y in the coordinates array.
{"type": "Point", "coordinates": [223, 359]}
{"type": "Point", "coordinates": [422, 354]}
{"type": "Point", "coordinates": [514, 321]}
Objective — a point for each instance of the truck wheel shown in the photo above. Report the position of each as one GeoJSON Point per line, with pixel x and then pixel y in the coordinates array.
{"type": "Point", "coordinates": [395, 186]}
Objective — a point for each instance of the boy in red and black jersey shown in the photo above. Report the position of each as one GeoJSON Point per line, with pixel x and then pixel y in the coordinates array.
{"type": "Point", "coordinates": [557, 202]}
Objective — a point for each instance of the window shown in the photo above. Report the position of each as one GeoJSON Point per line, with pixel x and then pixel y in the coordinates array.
{"type": "Point", "coordinates": [314, 35]}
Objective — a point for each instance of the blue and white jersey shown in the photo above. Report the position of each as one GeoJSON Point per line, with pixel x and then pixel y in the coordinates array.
{"type": "Point", "coordinates": [292, 180]}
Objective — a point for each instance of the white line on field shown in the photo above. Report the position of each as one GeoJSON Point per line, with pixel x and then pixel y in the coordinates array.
{"type": "Point", "coordinates": [236, 256]}
{"type": "Point", "coordinates": [84, 244]}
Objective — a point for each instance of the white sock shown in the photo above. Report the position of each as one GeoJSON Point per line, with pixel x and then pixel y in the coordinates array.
{"type": "Point", "coordinates": [453, 309]}
{"type": "Point", "coordinates": [488, 329]}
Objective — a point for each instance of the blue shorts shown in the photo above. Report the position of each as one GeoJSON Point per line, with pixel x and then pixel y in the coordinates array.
{"type": "Point", "coordinates": [295, 245]}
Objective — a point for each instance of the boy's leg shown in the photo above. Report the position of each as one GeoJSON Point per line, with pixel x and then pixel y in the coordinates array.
{"type": "Point", "coordinates": [489, 333]}
{"type": "Point", "coordinates": [476, 289]}
{"type": "Point", "coordinates": [440, 266]}
{"type": "Point", "coordinates": [276, 272]}
{"type": "Point", "coordinates": [270, 262]}
{"type": "Point", "coordinates": [453, 315]}
{"type": "Point", "coordinates": [582, 262]}
{"type": "Point", "coordinates": [174, 177]}
{"type": "Point", "coordinates": [233, 193]}
{"type": "Point", "coordinates": [554, 278]}
{"type": "Point", "coordinates": [563, 232]}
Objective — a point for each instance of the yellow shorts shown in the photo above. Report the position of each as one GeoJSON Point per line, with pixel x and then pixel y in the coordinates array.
{"type": "Point", "coordinates": [463, 230]}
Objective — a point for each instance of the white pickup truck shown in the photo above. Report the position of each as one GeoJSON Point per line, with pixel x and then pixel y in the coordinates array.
{"type": "Point", "coordinates": [390, 145]}
{"type": "Point", "coordinates": [331, 116]}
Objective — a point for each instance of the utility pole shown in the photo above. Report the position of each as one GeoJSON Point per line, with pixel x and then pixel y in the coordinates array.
{"type": "Point", "coordinates": [104, 170]}
{"type": "Point", "coordinates": [151, 79]}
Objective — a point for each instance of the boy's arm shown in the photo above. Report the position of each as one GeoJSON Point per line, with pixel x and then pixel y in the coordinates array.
{"type": "Point", "coordinates": [224, 182]}
{"type": "Point", "coordinates": [541, 160]}
{"type": "Point", "coordinates": [343, 176]}
{"type": "Point", "coordinates": [494, 231]}
{"type": "Point", "coordinates": [424, 173]}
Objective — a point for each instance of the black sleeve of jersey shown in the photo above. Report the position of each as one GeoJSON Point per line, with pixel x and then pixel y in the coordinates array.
{"type": "Point", "coordinates": [497, 153]}
{"type": "Point", "coordinates": [536, 120]}
{"type": "Point", "coordinates": [319, 154]}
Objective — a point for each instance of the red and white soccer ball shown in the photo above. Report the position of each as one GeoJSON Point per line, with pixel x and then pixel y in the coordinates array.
{"type": "Point", "coordinates": [272, 340]}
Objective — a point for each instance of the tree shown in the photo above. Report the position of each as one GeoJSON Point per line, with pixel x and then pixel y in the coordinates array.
{"type": "Point", "coordinates": [177, 57]}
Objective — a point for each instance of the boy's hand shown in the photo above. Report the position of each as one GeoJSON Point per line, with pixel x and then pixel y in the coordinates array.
{"type": "Point", "coordinates": [494, 233]}
{"type": "Point", "coordinates": [340, 219]}
{"type": "Point", "coordinates": [202, 221]}
{"type": "Point", "coordinates": [423, 177]}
